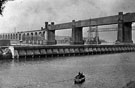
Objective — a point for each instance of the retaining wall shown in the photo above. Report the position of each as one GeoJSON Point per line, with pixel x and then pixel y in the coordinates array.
{"type": "Point", "coordinates": [69, 50]}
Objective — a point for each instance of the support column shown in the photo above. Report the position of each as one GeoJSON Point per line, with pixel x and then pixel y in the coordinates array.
{"type": "Point", "coordinates": [31, 38]}
{"type": "Point", "coordinates": [124, 34]}
{"type": "Point", "coordinates": [77, 36]}
{"type": "Point", "coordinates": [127, 32]}
{"type": "Point", "coordinates": [120, 28]}
{"type": "Point", "coordinates": [19, 37]}
{"type": "Point", "coordinates": [50, 34]}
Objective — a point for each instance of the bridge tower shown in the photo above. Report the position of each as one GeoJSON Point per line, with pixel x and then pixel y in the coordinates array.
{"type": "Point", "coordinates": [124, 34]}
{"type": "Point", "coordinates": [77, 35]}
{"type": "Point", "coordinates": [50, 34]}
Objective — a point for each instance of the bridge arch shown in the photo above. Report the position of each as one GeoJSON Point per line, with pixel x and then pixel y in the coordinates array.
{"type": "Point", "coordinates": [23, 38]}
{"type": "Point", "coordinates": [35, 37]}
{"type": "Point", "coordinates": [31, 38]}
{"type": "Point", "coordinates": [8, 36]}
{"type": "Point", "coordinates": [5, 36]}
{"type": "Point", "coordinates": [0, 36]}
{"type": "Point", "coordinates": [27, 38]}
{"type": "Point", "coordinates": [16, 36]}
{"type": "Point", "coordinates": [13, 36]}
{"type": "Point", "coordinates": [40, 39]}
{"type": "Point", "coordinates": [20, 36]}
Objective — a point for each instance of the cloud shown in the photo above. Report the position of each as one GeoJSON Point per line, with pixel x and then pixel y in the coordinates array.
{"type": "Point", "coordinates": [31, 14]}
{"type": "Point", "coordinates": [124, 5]}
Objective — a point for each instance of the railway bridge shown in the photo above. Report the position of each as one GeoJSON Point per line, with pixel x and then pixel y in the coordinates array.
{"type": "Point", "coordinates": [45, 38]}
{"type": "Point", "coordinates": [46, 35]}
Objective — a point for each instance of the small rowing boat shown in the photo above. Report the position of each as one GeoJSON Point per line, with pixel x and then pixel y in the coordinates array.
{"type": "Point", "coordinates": [79, 79]}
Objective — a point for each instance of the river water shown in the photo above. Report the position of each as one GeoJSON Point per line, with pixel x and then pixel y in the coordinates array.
{"type": "Point", "coordinates": [101, 71]}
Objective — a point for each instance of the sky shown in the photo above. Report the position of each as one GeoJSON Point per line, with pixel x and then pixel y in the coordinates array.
{"type": "Point", "coordinates": [25, 15]}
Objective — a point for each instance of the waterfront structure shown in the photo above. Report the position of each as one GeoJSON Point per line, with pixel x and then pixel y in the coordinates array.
{"type": "Point", "coordinates": [42, 40]}
{"type": "Point", "coordinates": [46, 36]}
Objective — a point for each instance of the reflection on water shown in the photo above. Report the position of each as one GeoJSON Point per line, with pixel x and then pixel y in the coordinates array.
{"type": "Point", "coordinates": [102, 71]}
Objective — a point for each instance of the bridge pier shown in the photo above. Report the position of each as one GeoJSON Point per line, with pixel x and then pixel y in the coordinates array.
{"type": "Point", "coordinates": [50, 35]}
{"type": "Point", "coordinates": [124, 34]}
{"type": "Point", "coordinates": [77, 36]}
{"type": "Point", "coordinates": [127, 35]}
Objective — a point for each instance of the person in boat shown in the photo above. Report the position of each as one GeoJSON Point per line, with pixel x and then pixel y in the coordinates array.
{"type": "Point", "coordinates": [80, 75]}
{"type": "Point", "coordinates": [79, 79]}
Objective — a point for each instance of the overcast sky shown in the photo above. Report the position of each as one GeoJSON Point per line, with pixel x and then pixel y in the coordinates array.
{"type": "Point", "coordinates": [22, 15]}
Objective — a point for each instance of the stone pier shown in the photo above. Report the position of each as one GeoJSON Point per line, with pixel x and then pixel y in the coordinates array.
{"type": "Point", "coordinates": [77, 35]}
{"type": "Point", "coordinates": [124, 34]}
{"type": "Point", "coordinates": [50, 35]}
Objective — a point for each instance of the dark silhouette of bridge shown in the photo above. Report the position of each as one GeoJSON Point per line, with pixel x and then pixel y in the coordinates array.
{"type": "Point", "coordinates": [43, 40]}
{"type": "Point", "coordinates": [46, 36]}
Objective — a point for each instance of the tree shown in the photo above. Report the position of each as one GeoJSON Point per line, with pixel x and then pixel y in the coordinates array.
{"type": "Point", "coordinates": [2, 2]}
